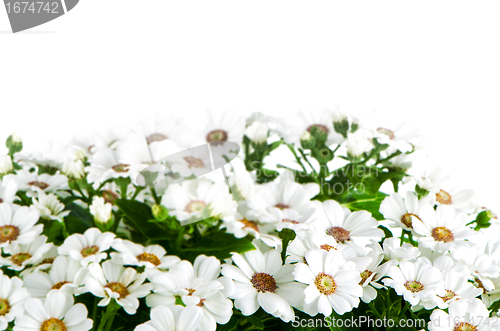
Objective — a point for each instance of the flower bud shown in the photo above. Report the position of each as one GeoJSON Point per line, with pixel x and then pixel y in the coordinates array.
{"type": "Point", "coordinates": [307, 140]}
{"type": "Point", "coordinates": [257, 132]}
{"type": "Point", "coordinates": [102, 211]}
{"type": "Point", "coordinates": [14, 143]}
{"type": "Point", "coordinates": [5, 165]}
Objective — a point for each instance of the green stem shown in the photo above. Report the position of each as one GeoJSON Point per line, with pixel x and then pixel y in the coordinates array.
{"type": "Point", "coordinates": [94, 312]}
{"type": "Point", "coordinates": [180, 236]}
{"type": "Point", "coordinates": [110, 313]}
{"type": "Point", "coordinates": [155, 196]}
{"type": "Point", "coordinates": [292, 149]}
{"type": "Point", "coordinates": [307, 160]}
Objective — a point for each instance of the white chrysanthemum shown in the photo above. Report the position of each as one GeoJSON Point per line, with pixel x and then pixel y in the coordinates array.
{"type": "Point", "coordinates": [344, 226]}
{"type": "Point", "coordinates": [223, 126]}
{"type": "Point", "coordinates": [333, 283]}
{"type": "Point", "coordinates": [46, 262]}
{"type": "Point", "coordinates": [56, 312]}
{"type": "Point", "coordinates": [49, 207]}
{"type": "Point", "coordinates": [175, 318]}
{"type": "Point", "coordinates": [257, 132]}
{"type": "Point", "coordinates": [17, 225]}
{"type": "Point", "coordinates": [415, 281]}
{"type": "Point", "coordinates": [403, 212]}
{"type": "Point", "coordinates": [261, 280]}
{"type": "Point", "coordinates": [163, 129]}
{"type": "Point", "coordinates": [431, 181]}
{"type": "Point", "coordinates": [113, 281]}
{"type": "Point", "coordinates": [463, 200]}
{"type": "Point", "coordinates": [152, 256]}
{"type": "Point", "coordinates": [101, 210]}
{"type": "Point", "coordinates": [73, 168]}
{"type": "Point", "coordinates": [442, 229]}
{"type": "Point", "coordinates": [8, 191]}
{"type": "Point", "coordinates": [241, 181]}
{"type": "Point", "coordinates": [196, 285]}
{"type": "Point", "coordinates": [198, 199]}
{"type": "Point", "coordinates": [91, 246]}
{"type": "Point", "coordinates": [371, 275]}
{"type": "Point", "coordinates": [33, 183]}
{"type": "Point", "coordinates": [359, 142]}
{"type": "Point", "coordinates": [399, 138]}
{"type": "Point", "coordinates": [105, 164]}
{"type": "Point", "coordinates": [19, 256]}
{"type": "Point", "coordinates": [6, 165]}
{"type": "Point", "coordinates": [65, 274]}
{"type": "Point", "coordinates": [463, 315]}
{"type": "Point", "coordinates": [12, 297]}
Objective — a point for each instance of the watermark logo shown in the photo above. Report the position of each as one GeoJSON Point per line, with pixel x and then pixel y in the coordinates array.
{"type": "Point", "coordinates": [26, 14]}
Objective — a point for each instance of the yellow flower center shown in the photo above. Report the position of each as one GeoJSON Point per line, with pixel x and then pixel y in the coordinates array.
{"type": "Point", "coordinates": [442, 234]}
{"type": "Point", "coordinates": [414, 286]}
{"type": "Point", "coordinates": [406, 220]}
{"type": "Point", "coordinates": [19, 258]}
{"type": "Point", "coordinates": [4, 307]}
{"type": "Point", "coordinates": [448, 296]}
{"type": "Point", "coordinates": [341, 235]}
{"type": "Point", "coordinates": [118, 288]}
{"type": "Point", "coordinates": [149, 257]}
{"type": "Point", "coordinates": [364, 276]}
{"type": "Point", "coordinates": [8, 233]}
{"type": "Point", "coordinates": [121, 167]}
{"type": "Point", "coordinates": [38, 184]}
{"type": "Point", "coordinates": [263, 282]}
{"type": "Point", "coordinates": [195, 206]}
{"type": "Point", "coordinates": [89, 250]}
{"type": "Point", "coordinates": [57, 286]}
{"type": "Point", "coordinates": [325, 283]}
{"type": "Point", "coordinates": [287, 220]}
{"type": "Point", "coordinates": [53, 324]}
{"type": "Point", "coordinates": [250, 224]}
{"type": "Point", "coordinates": [190, 291]}
{"type": "Point", "coordinates": [464, 326]}
{"type": "Point", "coordinates": [443, 197]}
{"type": "Point", "coordinates": [327, 247]}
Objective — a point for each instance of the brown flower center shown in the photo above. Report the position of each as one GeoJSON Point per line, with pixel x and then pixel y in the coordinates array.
{"type": "Point", "coordinates": [118, 288]}
{"type": "Point", "coordinates": [387, 132]}
{"type": "Point", "coordinates": [149, 257]}
{"type": "Point", "coordinates": [250, 224]}
{"type": "Point", "coordinates": [155, 137]}
{"type": "Point", "coordinates": [201, 304]}
{"type": "Point", "coordinates": [327, 247]}
{"type": "Point", "coordinates": [121, 167]}
{"type": "Point", "coordinates": [8, 233]}
{"type": "Point", "coordinates": [190, 291]}
{"type": "Point", "coordinates": [448, 296]}
{"type": "Point", "coordinates": [1, 200]}
{"type": "Point", "coordinates": [89, 250]}
{"type": "Point", "coordinates": [414, 286]}
{"type": "Point", "coordinates": [195, 206]}
{"type": "Point", "coordinates": [281, 206]}
{"type": "Point", "coordinates": [320, 127]}
{"type": "Point", "coordinates": [407, 221]}
{"type": "Point", "coordinates": [48, 260]}
{"type": "Point", "coordinates": [263, 282]}
{"type": "Point", "coordinates": [194, 162]}
{"type": "Point", "coordinates": [38, 184]}
{"type": "Point", "coordinates": [287, 220]}
{"type": "Point", "coordinates": [19, 258]}
{"type": "Point", "coordinates": [464, 326]}
{"type": "Point", "coordinates": [109, 196]}
{"type": "Point", "coordinates": [364, 276]}
{"type": "Point", "coordinates": [325, 283]}
{"type": "Point", "coordinates": [442, 234]}
{"type": "Point", "coordinates": [341, 235]}
{"type": "Point", "coordinates": [4, 307]}
{"type": "Point", "coordinates": [53, 324]}
{"type": "Point", "coordinates": [57, 286]}
{"type": "Point", "coordinates": [216, 136]}
{"type": "Point", "coordinates": [443, 197]}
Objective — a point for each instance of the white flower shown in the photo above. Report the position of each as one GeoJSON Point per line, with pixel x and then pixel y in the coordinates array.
{"type": "Point", "coordinates": [261, 280]}
{"type": "Point", "coordinates": [196, 285]}
{"type": "Point", "coordinates": [49, 207]}
{"type": "Point", "coordinates": [332, 283]}
{"type": "Point", "coordinates": [57, 312]}
{"type": "Point", "coordinates": [5, 165]}
{"type": "Point", "coordinates": [91, 246]}
{"type": "Point", "coordinates": [464, 200]}
{"type": "Point", "coordinates": [33, 183]}
{"type": "Point", "coordinates": [257, 132]}
{"type": "Point", "coordinates": [101, 210]}
{"type": "Point", "coordinates": [359, 142]}
{"type": "Point", "coordinates": [21, 255]}
{"type": "Point", "coordinates": [73, 168]}
{"type": "Point", "coordinates": [65, 274]}
{"type": "Point", "coordinates": [17, 225]}
{"type": "Point", "coordinates": [163, 129]}
{"type": "Point", "coordinates": [370, 276]}
{"type": "Point", "coordinates": [463, 315]}
{"type": "Point", "coordinates": [152, 256]}
{"type": "Point", "coordinates": [344, 226]}
{"type": "Point", "coordinates": [404, 212]}
{"type": "Point", "coordinates": [113, 281]}
{"type": "Point", "coordinates": [12, 297]}
{"type": "Point", "coordinates": [223, 126]}
{"type": "Point", "coordinates": [402, 137]}
{"type": "Point", "coordinates": [431, 181]}
{"type": "Point", "coordinates": [443, 228]}
{"type": "Point", "coordinates": [175, 318]}
{"type": "Point", "coordinates": [415, 281]}
{"type": "Point", "coordinates": [8, 191]}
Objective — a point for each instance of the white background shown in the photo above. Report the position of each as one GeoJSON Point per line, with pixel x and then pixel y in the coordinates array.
{"type": "Point", "coordinates": [433, 63]}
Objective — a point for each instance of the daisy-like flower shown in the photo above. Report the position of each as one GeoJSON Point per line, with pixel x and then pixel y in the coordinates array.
{"type": "Point", "coordinates": [399, 138]}
{"type": "Point", "coordinates": [105, 164]}
{"type": "Point", "coordinates": [6, 166]}
{"type": "Point", "coordinates": [20, 255]}
{"type": "Point", "coordinates": [163, 129]}
{"type": "Point", "coordinates": [33, 184]}
{"type": "Point", "coordinates": [359, 143]}
{"type": "Point", "coordinates": [415, 281]}
{"type": "Point", "coordinates": [241, 226]}
{"type": "Point", "coordinates": [12, 297]}
{"type": "Point", "coordinates": [290, 219]}
{"type": "Point", "coordinates": [198, 199]}
{"type": "Point", "coordinates": [91, 246]}
{"type": "Point", "coordinates": [223, 126]}
{"type": "Point", "coordinates": [65, 274]}
{"type": "Point", "coordinates": [57, 312]}
{"type": "Point", "coordinates": [101, 210]}
{"type": "Point", "coordinates": [463, 315]}
{"type": "Point", "coordinates": [370, 276]}
{"type": "Point", "coordinates": [17, 225]}
{"type": "Point", "coordinates": [175, 318]}
{"type": "Point", "coordinates": [261, 280]}
{"type": "Point", "coordinates": [152, 256]}
{"type": "Point", "coordinates": [331, 282]}
{"type": "Point", "coordinates": [257, 132]}
{"type": "Point", "coordinates": [443, 228]}
{"type": "Point", "coordinates": [463, 200]}
{"type": "Point", "coordinates": [113, 281]}
{"type": "Point", "coordinates": [404, 212]}
{"type": "Point", "coordinates": [344, 226]}
{"type": "Point", "coordinates": [49, 207]}
{"type": "Point", "coordinates": [196, 285]}
{"type": "Point", "coordinates": [431, 181]}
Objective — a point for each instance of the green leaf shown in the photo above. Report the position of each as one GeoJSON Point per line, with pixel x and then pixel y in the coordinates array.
{"type": "Point", "coordinates": [229, 326]}
{"type": "Point", "coordinates": [266, 175]}
{"type": "Point", "coordinates": [256, 322]}
{"type": "Point", "coordinates": [54, 231]}
{"type": "Point", "coordinates": [219, 244]}
{"type": "Point", "coordinates": [273, 146]}
{"type": "Point", "coordinates": [78, 220]}
{"type": "Point", "coordinates": [362, 201]}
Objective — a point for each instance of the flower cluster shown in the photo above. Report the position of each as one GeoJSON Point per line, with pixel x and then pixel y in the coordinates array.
{"type": "Point", "coordinates": [155, 227]}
